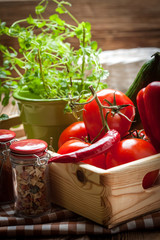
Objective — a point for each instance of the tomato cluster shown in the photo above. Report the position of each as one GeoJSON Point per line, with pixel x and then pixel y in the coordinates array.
{"type": "Point", "coordinates": [112, 110]}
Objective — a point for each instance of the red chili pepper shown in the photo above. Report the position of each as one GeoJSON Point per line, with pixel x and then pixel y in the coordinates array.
{"type": "Point", "coordinates": [148, 102]}
{"type": "Point", "coordinates": [107, 141]}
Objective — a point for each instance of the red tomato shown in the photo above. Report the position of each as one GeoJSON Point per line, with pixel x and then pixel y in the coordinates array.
{"type": "Point", "coordinates": [72, 145]}
{"type": "Point", "coordinates": [115, 120]}
{"type": "Point", "coordinates": [75, 130]}
{"type": "Point", "coordinates": [75, 144]}
{"type": "Point", "coordinates": [129, 150]}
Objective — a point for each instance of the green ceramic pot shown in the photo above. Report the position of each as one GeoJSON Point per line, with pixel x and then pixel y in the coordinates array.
{"type": "Point", "coordinates": [43, 118]}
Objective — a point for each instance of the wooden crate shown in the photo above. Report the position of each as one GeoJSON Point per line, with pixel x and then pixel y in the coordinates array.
{"type": "Point", "coordinates": [108, 197]}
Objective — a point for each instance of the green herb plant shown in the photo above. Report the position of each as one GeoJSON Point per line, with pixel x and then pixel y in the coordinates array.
{"type": "Point", "coordinates": [46, 63]}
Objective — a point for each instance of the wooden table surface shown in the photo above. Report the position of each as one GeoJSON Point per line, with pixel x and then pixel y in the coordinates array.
{"type": "Point", "coordinates": [115, 24]}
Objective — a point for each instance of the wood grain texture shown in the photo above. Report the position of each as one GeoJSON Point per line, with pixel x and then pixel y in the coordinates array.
{"type": "Point", "coordinates": [115, 24]}
{"type": "Point", "coordinates": [78, 196]}
{"type": "Point", "coordinates": [127, 197]}
{"type": "Point", "coordinates": [110, 196]}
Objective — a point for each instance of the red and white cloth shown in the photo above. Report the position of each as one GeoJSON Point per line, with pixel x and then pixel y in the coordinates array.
{"type": "Point", "coordinates": [61, 221]}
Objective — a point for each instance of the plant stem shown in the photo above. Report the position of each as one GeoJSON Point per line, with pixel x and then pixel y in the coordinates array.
{"type": "Point", "coordinates": [68, 73]}
{"type": "Point", "coordinates": [71, 16]}
{"type": "Point", "coordinates": [17, 71]}
{"type": "Point", "coordinates": [11, 79]}
{"type": "Point", "coordinates": [17, 22]}
{"type": "Point", "coordinates": [41, 73]}
{"type": "Point", "coordinates": [40, 65]}
{"type": "Point", "coordinates": [83, 60]}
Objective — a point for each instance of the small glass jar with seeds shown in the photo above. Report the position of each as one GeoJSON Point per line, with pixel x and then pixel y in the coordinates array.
{"type": "Point", "coordinates": [29, 160]}
{"type": "Point", "coordinates": [6, 181]}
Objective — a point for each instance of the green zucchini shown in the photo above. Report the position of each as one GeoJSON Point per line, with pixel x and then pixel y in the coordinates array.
{"type": "Point", "coordinates": [149, 72]}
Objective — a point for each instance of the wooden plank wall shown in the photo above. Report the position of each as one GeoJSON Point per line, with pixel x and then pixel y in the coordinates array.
{"type": "Point", "coordinates": [115, 23]}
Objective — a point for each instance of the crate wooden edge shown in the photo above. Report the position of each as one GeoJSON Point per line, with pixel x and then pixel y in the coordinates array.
{"type": "Point", "coordinates": [94, 193]}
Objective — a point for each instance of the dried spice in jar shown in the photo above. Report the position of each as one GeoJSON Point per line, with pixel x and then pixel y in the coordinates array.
{"type": "Point", "coordinates": [29, 160]}
{"type": "Point", "coordinates": [6, 181]}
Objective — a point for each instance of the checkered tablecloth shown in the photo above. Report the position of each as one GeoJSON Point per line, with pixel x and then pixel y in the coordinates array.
{"type": "Point", "coordinates": [61, 221]}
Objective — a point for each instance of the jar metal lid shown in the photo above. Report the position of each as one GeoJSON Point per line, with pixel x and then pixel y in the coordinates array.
{"type": "Point", "coordinates": [6, 135]}
{"type": "Point", "coordinates": [28, 146]}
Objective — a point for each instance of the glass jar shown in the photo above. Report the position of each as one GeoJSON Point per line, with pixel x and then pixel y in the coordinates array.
{"type": "Point", "coordinates": [6, 181]}
{"type": "Point", "coordinates": [29, 160]}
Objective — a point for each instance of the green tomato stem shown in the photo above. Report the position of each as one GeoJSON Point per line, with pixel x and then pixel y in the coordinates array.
{"type": "Point", "coordinates": [104, 123]}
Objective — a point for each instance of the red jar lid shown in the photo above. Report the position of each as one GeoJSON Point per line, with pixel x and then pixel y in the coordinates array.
{"type": "Point", "coordinates": [28, 146]}
{"type": "Point", "coordinates": [6, 135]}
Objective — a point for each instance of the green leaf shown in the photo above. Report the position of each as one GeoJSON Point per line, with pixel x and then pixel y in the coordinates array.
{"type": "Point", "coordinates": [4, 117]}
{"type": "Point", "coordinates": [2, 24]}
{"type": "Point", "coordinates": [15, 30]}
{"type": "Point", "coordinates": [40, 9]}
{"type": "Point", "coordinates": [2, 47]}
{"type": "Point", "coordinates": [65, 3]}
{"type": "Point", "coordinates": [94, 45]}
{"type": "Point", "coordinates": [30, 20]}
{"type": "Point", "coordinates": [41, 24]}
{"type": "Point", "coordinates": [56, 18]}
{"type": "Point", "coordinates": [53, 17]}
{"type": "Point", "coordinates": [2, 27]}
{"type": "Point", "coordinates": [5, 100]}
{"type": "Point", "coordinates": [79, 30]}
{"type": "Point", "coordinates": [87, 25]}
{"type": "Point", "coordinates": [4, 73]}
{"type": "Point", "coordinates": [60, 10]}
{"type": "Point", "coordinates": [13, 102]}
{"type": "Point", "coordinates": [19, 62]}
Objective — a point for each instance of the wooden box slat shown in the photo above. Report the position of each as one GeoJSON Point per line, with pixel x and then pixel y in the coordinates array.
{"type": "Point", "coordinates": [108, 197]}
